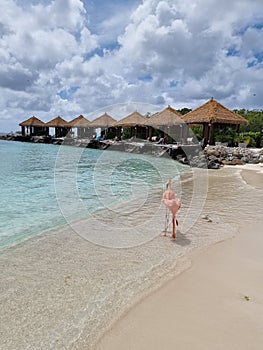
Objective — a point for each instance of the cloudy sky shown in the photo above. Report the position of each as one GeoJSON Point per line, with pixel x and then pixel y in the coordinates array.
{"type": "Point", "coordinates": [71, 57]}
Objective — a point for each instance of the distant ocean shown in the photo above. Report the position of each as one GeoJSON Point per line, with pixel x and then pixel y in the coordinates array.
{"type": "Point", "coordinates": [29, 203]}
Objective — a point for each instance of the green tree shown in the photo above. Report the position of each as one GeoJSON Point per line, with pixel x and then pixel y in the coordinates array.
{"type": "Point", "coordinates": [227, 135]}
{"type": "Point", "coordinates": [255, 119]}
{"type": "Point", "coordinates": [197, 131]}
{"type": "Point", "coordinates": [184, 110]}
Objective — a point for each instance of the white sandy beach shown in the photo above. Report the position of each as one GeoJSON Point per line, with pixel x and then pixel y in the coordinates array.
{"type": "Point", "coordinates": [60, 291]}
{"type": "Point", "coordinates": [216, 304]}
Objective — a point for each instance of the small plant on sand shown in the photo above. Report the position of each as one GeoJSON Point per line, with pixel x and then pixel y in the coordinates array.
{"type": "Point", "coordinates": [246, 297]}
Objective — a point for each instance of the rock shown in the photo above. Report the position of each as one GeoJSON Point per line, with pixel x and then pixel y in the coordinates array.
{"type": "Point", "coordinates": [213, 157]}
{"type": "Point", "coordinates": [207, 218]}
{"type": "Point", "coordinates": [213, 165]}
{"type": "Point", "coordinates": [234, 161]}
{"type": "Point", "coordinates": [199, 162]}
{"type": "Point", "coordinates": [209, 152]}
{"type": "Point", "coordinates": [245, 159]}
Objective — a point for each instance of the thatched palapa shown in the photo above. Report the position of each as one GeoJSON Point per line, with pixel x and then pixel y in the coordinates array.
{"type": "Point", "coordinates": [34, 126]}
{"type": "Point", "coordinates": [104, 121]}
{"type": "Point", "coordinates": [83, 126]}
{"type": "Point", "coordinates": [58, 122]}
{"type": "Point", "coordinates": [168, 117]}
{"type": "Point", "coordinates": [136, 122]}
{"type": "Point", "coordinates": [214, 113]}
{"type": "Point", "coordinates": [79, 122]}
{"type": "Point", "coordinates": [169, 122]}
{"type": "Point", "coordinates": [61, 126]}
{"type": "Point", "coordinates": [133, 119]}
{"type": "Point", "coordinates": [33, 121]}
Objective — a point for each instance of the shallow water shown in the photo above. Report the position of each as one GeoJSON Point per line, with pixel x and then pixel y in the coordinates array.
{"type": "Point", "coordinates": [63, 288]}
{"type": "Point", "coordinates": [44, 186]}
{"type": "Point", "coordinates": [28, 203]}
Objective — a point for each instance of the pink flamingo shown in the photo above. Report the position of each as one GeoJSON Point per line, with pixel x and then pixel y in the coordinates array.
{"type": "Point", "coordinates": [173, 204]}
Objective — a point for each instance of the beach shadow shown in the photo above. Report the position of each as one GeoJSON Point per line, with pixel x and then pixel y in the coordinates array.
{"type": "Point", "coordinates": [181, 239]}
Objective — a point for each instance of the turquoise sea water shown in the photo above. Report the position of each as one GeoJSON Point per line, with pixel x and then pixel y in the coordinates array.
{"type": "Point", "coordinates": [68, 290]}
{"type": "Point", "coordinates": [33, 176]}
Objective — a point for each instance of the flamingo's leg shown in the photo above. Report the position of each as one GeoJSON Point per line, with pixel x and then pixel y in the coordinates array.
{"type": "Point", "coordinates": [173, 234]}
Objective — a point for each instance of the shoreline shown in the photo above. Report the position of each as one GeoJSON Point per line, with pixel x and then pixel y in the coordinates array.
{"type": "Point", "coordinates": [69, 289]}
{"type": "Point", "coordinates": [191, 154]}
{"type": "Point", "coordinates": [173, 316]}
{"type": "Point", "coordinates": [210, 305]}
{"type": "Point", "coordinates": [254, 178]}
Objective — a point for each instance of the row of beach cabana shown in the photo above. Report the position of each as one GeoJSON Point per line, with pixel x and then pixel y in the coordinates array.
{"type": "Point", "coordinates": [170, 122]}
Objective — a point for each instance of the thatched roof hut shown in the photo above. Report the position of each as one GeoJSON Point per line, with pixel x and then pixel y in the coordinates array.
{"type": "Point", "coordinates": [133, 119]}
{"type": "Point", "coordinates": [104, 121]}
{"type": "Point", "coordinates": [33, 121]}
{"type": "Point", "coordinates": [213, 112]}
{"type": "Point", "coordinates": [168, 117]}
{"type": "Point", "coordinates": [169, 122]}
{"type": "Point", "coordinates": [34, 126]}
{"type": "Point", "coordinates": [136, 122]}
{"type": "Point", "coordinates": [58, 122]}
{"type": "Point", "coordinates": [212, 115]}
{"type": "Point", "coordinates": [61, 126]}
{"type": "Point", "coordinates": [82, 125]}
{"type": "Point", "coordinates": [79, 122]}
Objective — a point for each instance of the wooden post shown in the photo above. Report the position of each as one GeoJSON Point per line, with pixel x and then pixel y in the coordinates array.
{"type": "Point", "coordinates": [118, 133]}
{"type": "Point", "coordinates": [206, 132]}
{"type": "Point", "coordinates": [211, 134]}
{"type": "Point", "coordinates": [149, 132]}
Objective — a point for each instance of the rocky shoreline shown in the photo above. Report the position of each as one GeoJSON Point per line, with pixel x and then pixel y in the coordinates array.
{"type": "Point", "coordinates": [219, 155]}
{"type": "Point", "coordinates": [211, 157]}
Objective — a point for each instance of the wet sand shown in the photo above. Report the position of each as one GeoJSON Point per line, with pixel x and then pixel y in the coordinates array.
{"type": "Point", "coordinates": [253, 178]}
{"type": "Point", "coordinates": [61, 291]}
{"type": "Point", "coordinates": [216, 304]}
{"type": "Point", "coordinates": [251, 174]}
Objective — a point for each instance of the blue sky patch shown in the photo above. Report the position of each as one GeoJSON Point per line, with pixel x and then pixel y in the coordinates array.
{"type": "Point", "coordinates": [257, 25]}
{"type": "Point", "coordinates": [146, 77]}
{"type": "Point", "coordinates": [242, 30]}
{"type": "Point", "coordinates": [232, 52]}
{"type": "Point", "coordinates": [99, 51]}
{"type": "Point", "coordinates": [173, 83]}
{"type": "Point", "coordinates": [65, 94]}
{"type": "Point", "coordinates": [252, 64]}
{"type": "Point", "coordinates": [258, 58]}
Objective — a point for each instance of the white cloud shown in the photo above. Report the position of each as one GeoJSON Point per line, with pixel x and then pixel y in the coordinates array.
{"type": "Point", "coordinates": [190, 42]}
{"type": "Point", "coordinates": [252, 41]}
{"type": "Point", "coordinates": [68, 14]}
{"type": "Point", "coordinates": [170, 52]}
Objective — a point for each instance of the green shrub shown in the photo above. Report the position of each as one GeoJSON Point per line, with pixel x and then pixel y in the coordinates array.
{"type": "Point", "coordinates": [226, 135]}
